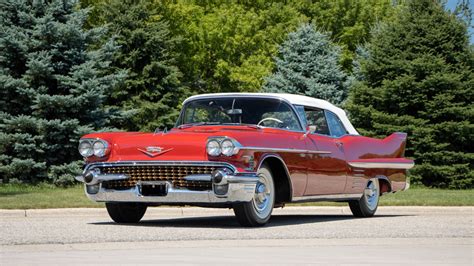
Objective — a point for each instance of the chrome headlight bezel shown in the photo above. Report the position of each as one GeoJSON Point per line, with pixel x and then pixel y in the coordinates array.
{"type": "Point", "coordinates": [100, 148]}
{"type": "Point", "coordinates": [85, 148]}
{"type": "Point", "coordinates": [93, 147]}
{"type": "Point", "coordinates": [227, 146]}
{"type": "Point", "coordinates": [213, 147]}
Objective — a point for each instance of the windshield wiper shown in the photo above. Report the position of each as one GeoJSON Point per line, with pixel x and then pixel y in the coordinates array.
{"type": "Point", "coordinates": [245, 125]}
{"type": "Point", "coordinates": [197, 124]}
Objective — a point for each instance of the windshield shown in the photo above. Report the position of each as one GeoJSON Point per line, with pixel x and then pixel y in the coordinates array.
{"type": "Point", "coordinates": [263, 112]}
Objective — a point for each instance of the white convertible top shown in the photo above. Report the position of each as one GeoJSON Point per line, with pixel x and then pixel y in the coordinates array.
{"type": "Point", "coordinates": [291, 98]}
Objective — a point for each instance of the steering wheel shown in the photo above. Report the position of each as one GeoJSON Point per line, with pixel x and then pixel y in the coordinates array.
{"type": "Point", "coordinates": [270, 118]}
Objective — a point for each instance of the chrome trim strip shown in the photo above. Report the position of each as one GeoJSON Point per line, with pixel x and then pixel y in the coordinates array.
{"type": "Point", "coordinates": [240, 179]}
{"type": "Point", "coordinates": [335, 197]}
{"type": "Point", "coordinates": [283, 150]}
{"type": "Point", "coordinates": [110, 177]}
{"type": "Point", "coordinates": [98, 178]}
{"type": "Point", "coordinates": [170, 163]}
{"type": "Point", "coordinates": [198, 177]}
{"type": "Point", "coordinates": [371, 165]}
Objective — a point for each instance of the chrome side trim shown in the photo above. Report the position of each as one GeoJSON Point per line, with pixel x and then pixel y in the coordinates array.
{"type": "Point", "coordinates": [171, 163]}
{"type": "Point", "coordinates": [371, 165]}
{"type": "Point", "coordinates": [335, 197]}
{"type": "Point", "coordinates": [283, 150]}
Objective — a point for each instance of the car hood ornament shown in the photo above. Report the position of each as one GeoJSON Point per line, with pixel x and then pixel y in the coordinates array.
{"type": "Point", "coordinates": [154, 151]}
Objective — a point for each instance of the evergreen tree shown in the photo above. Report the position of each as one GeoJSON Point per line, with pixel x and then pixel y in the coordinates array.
{"type": "Point", "coordinates": [52, 88]}
{"type": "Point", "coordinates": [418, 78]}
{"type": "Point", "coordinates": [308, 64]}
{"type": "Point", "coordinates": [152, 92]}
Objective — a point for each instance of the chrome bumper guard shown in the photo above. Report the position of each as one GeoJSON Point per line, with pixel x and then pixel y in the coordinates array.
{"type": "Point", "coordinates": [240, 188]}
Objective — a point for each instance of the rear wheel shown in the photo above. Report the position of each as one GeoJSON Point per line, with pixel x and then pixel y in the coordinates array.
{"type": "Point", "coordinates": [126, 212]}
{"type": "Point", "coordinates": [367, 205]}
{"type": "Point", "coordinates": [258, 211]}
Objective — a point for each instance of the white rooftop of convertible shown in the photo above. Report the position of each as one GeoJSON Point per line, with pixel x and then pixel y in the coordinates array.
{"type": "Point", "coordinates": [291, 98]}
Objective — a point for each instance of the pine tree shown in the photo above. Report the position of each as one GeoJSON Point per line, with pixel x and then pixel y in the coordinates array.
{"type": "Point", "coordinates": [152, 92]}
{"type": "Point", "coordinates": [52, 88]}
{"type": "Point", "coordinates": [418, 77]}
{"type": "Point", "coordinates": [308, 65]}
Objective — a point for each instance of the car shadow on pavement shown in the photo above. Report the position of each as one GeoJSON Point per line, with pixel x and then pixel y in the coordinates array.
{"type": "Point", "coordinates": [229, 222]}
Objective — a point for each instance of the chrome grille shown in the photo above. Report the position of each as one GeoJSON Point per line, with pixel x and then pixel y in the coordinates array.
{"type": "Point", "coordinates": [172, 173]}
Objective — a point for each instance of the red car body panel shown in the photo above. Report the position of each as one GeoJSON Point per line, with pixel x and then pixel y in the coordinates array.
{"type": "Point", "coordinates": [316, 164]}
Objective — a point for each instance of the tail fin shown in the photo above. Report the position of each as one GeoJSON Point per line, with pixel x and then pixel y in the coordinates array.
{"type": "Point", "coordinates": [397, 142]}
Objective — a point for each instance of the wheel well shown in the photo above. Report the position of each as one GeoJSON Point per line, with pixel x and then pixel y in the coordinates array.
{"type": "Point", "coordinates": [384, 184]}
{"type": "Point", "coordinates": [280, 178]}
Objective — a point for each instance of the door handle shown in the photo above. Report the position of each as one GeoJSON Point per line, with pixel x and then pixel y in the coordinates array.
{"type": "Point", "coordinates": [339, 144]}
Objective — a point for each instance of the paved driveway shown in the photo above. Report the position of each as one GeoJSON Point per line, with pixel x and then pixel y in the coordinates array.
{"type": "Point", "coordinates": [303, 235]}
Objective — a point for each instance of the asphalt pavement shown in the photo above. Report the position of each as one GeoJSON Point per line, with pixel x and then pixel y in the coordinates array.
{"type": "Point", "coordinates": [295, 235]}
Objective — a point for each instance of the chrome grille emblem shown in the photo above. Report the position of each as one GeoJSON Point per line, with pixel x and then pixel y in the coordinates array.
{"type": "Point", "coordinates": [153, 151]}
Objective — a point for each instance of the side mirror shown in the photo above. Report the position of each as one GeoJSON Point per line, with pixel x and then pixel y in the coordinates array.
{"type": "Point", "coordinates": [309, 130]}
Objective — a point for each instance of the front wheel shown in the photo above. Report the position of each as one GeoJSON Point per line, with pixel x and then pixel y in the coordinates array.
{"type": "Point", "coordinates": [126, 212]}
{"type": "Point", "coordinates": [257, 212]}
{"type": "Point", "coordinates": [367, 205]}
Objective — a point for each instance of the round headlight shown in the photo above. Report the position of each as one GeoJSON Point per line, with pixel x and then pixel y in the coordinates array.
{"type": "Point", "coordinates": [213, 148]}
{"type": "Point", "coordinates": [227, 147]}
{"type": "Point", "coordinates": [100, 148]}
{"type": "Point", "coordinates": [85, 148]}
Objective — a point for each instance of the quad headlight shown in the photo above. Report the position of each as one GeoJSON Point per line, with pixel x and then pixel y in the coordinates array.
{"type": "Point", "coordinates": [89, 147]}
{"type": "Point", "coordinates": [100, 148]}
{"type": "Point", "coordinates": [220, 145]}
{"type": "Point", "coordinates": [213, 148]}
{"type": "Point", "coordinates": [227, 147]}
{"type": "Point", "coordinates": [85, 148]}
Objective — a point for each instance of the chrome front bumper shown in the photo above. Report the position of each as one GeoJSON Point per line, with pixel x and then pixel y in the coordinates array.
{"type": "Point", "coordinates": [237, 192]}
{"type": "Point", "coordinates": [240, 187]}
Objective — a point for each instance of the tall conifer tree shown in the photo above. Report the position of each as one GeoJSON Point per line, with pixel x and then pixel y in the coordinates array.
{"type": "Point", "coordinates": [52, 87]}
{"type": "Point", "coordinates": [152, 92]}
{"type": "Point", "coordinates": [308, 64]}
{"type": "Point", "coordinates": [418, 77]}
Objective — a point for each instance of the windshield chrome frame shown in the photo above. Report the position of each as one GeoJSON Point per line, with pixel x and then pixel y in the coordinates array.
{"type": "Point", "coordinates": [292, 107]}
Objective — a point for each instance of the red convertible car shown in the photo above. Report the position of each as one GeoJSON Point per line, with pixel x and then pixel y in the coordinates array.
{"type": "Point", "coordinates": [248, 151]}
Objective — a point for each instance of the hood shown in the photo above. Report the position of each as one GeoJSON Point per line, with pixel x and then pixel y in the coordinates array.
{"type": "Point", "coordinates": [172, 146]}
{"type": "Point", "coordinates": [187, 144]}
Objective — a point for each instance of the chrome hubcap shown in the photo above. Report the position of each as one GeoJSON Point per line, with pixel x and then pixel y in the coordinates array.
{"type": "Point", "coordinates": [372, 194]}
{"type": "Point", "coordinates": [263, 196]}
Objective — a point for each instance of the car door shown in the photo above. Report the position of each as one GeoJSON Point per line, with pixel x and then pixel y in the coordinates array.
{"type": "Point", "coordinates": [327, 168]}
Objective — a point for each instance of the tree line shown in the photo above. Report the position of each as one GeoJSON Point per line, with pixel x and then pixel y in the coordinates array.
{"type": "Point", "coordinates": [72, 67]}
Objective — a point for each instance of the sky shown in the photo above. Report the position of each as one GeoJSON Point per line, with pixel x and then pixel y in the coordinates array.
{"type": "Point", "coordinates": [451, 4]}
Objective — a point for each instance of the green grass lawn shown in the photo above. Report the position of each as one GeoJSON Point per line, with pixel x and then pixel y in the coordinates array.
{"type": "Point", "coordinates": [13, 196]}
{"type": "Point", "coordinates": [42, 196]}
